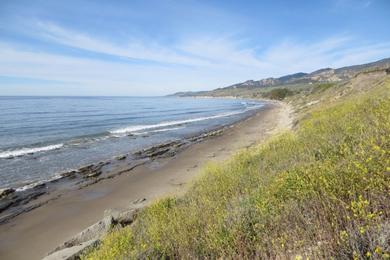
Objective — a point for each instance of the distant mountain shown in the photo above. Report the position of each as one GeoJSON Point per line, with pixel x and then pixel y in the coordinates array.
{"type": "Point", "coordinates": [318, 76]}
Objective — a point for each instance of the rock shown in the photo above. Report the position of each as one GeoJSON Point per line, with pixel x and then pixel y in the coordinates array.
{"type": "Point", "coordinates": [164, 149]}
{"type": "Point", "coordinates": [122, 218]}
{"type": "Point", "coordinates": [5, 205]}
{"type": "Point", "coordinates": [158, 152]}
{"type": "Point", "coordinates": [91, 236]}
{"type": "Point", "coordinates": [93, 174]}
{"type": "Point", "coordinates": [138, 201]}
{"type": "Point", "coordinates": [113, 213]}
{"type": "Point", "coordinates": [86, 168]}
{"type": "Point", "coordinates": [71, 174]}
{"type": "Point", "coordinates": [212, 155]}
{"type": "Point", "coordinates": [102, 163]}
{"type": "Point", "coordinates": [121, 157]}
{"type": "Point", "coordinates": [92, 170]}
{"type": "Point", "coordinates": [5, 192]}
{"type": "Point", "coordinates": [39, 186]}
{"type": "Point", "coordinates": [74, 252]}
{"type": "Point", "coordinates": [93, 232]}
{"type": "Point", "coordinates": [127, 217]}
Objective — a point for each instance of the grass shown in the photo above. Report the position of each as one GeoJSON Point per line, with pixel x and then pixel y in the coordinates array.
{"type": "Point", "coordinates": [322, 87]}
{"type": "Point", "coordinates": [322, 191]}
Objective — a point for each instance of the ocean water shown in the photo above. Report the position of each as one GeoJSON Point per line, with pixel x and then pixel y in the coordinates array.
{"type": "Point", "coordinates": [41, 137]}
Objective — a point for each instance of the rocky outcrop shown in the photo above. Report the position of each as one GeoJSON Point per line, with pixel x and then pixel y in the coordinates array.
{"type": "Point", "coordinates": [15, 203]}
{"type": "Point", "coordinates": [5, 192]}
{"type": "Point", "coordinates": [94, 232]}
{"type": "Point", "coordinates": [121, 157]}
{"type": "Point", "coordinates": [92, 170]}
{"type": "Point", "coordinates": [91, 236]}
{"type": "Point", "coordinates": [73, 253]}
{"type": "Point", "coordinates": [161, 150]}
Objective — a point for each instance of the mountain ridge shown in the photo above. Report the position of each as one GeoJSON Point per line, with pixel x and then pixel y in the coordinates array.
{"type": "Point", "coordinates": [324, 75]}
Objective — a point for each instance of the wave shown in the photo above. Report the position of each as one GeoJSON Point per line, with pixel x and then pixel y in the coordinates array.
{"type": "Point", "coordinates": [24, 151]}
{"type": "Point", "coordinates": [136, 128]}
{"type": "Point", "coordinates": [166, 129]}
{"type": "Point", "coordinates": [158, 130]}
{"type": "Point", "coordinates": [36, 183]}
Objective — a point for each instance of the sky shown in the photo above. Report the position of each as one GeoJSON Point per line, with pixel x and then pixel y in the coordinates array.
{"type": "Point", "coordinates": [151, 48]}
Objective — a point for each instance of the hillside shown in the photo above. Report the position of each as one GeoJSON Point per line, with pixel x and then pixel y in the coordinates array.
{"type": "Point", "coordinates": [293, 82]}
{"type": "Point", "coordinates": [321, 190]}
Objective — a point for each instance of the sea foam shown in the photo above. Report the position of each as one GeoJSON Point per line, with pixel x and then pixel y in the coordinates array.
{"type": "Point", "coordinates": [136, 128]}
{"type": "Point", "coordinates": [25, 151]}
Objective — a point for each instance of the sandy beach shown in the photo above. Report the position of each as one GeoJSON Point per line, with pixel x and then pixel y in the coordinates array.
{"type": "Point", "coordinates": [35, 233]}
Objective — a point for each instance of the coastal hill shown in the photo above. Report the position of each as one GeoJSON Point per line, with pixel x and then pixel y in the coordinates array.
{"type": "Point", "coordinates": [319, 190]}
{"type": "Point", "coordinates": [292, 82]}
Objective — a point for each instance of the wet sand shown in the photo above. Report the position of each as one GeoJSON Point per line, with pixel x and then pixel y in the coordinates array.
{"type": "Point", "coordinates": [35, 233]}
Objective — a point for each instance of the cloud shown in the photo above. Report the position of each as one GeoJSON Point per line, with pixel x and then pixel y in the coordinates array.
{"type": "Point", "coordinates": [133, 49]}
{"type": "Point", "coordinates": [95, 75]}
{"type": "Point", "coordinates": [102, 77]}
{"type": "Point", "coordinates": [200, 63]}
{"type": "Point", "coordinates": [201, 52]}
{"type": "Point", "coordinates": [291, 57]}
{"type": "Point", "coordinates": [222, 51]}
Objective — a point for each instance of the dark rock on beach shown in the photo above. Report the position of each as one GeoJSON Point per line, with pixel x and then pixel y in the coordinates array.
{"type": "Point", "coordinates": [121, 157]}
{"type": "Point", "coordinates": [71, 174]}
{"type": "Point", "coordinates": [161, 150]}
{"type": "Point", "coordinates": [5, 192]}
{"type": "Point", "coordinates": [92, 170]}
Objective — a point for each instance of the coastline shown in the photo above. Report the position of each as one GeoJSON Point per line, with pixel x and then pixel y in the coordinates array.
{"type": "Point", "coordinates": [18, 200]}
{"type": "Point", "coordinates": [40, 230]}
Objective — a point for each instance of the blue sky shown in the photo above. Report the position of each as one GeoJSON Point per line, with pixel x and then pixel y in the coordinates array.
{"type": "Point", "coordinates": [147, 47]}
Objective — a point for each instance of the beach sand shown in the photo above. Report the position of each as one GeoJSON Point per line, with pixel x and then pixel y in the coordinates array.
{"type": "Point", "coordinates": [33, 234]}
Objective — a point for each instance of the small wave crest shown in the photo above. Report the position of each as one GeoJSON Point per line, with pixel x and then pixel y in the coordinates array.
{"type": "Point", "coordinates": [36, 183]}
{"type": "Point", "coordinates": [137, 128]}
{"type": "Point", "coordinates": [25, 151]}
{"type": "Point", "coordinates": [158, 130]}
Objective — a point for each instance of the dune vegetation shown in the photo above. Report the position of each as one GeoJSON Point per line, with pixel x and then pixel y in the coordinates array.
{"type": "Point", "coordinates": [321, 190]}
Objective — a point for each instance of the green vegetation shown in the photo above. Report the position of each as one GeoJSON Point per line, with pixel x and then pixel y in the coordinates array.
{"type": "Point", "coordinates": [278, 93]}
{"type": "Point", "coordinates": [321, 191]}
{"type": "Point", "coordinates": [322, 87]}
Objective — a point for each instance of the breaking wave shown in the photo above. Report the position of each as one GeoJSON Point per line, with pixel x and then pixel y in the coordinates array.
{"type": "Point", "coordinates": [25, 151]}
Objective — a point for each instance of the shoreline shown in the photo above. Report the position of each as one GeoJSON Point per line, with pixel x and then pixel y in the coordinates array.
{"type": "Point", "coordinates": [23, 161]}
{"type": "Point", "coordinates": [39, 230]}
{"type": "Point", "coordinates": [19, 200]}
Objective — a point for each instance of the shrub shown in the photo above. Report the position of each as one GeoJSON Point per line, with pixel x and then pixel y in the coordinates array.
{"type": "Point", "coordinates": [278, 93]}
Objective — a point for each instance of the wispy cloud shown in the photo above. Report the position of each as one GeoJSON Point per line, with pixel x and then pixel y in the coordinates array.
{"type": "Point", "coordinates": [290, 57]}
{"type": "Point", "coordinates": [96, 76]}
{"type": "Point", "coordinates": [132, 49]}
{"type": "Point", "coordinates": [200, 62]}
{"type": "Point", "coordinates": [205, 51]}
{"type": "Point", "coordinates": [220, 52]}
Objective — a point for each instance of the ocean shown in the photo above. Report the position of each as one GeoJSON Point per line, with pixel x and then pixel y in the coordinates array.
{"type": "Point", "coordinates": [41, 137]}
